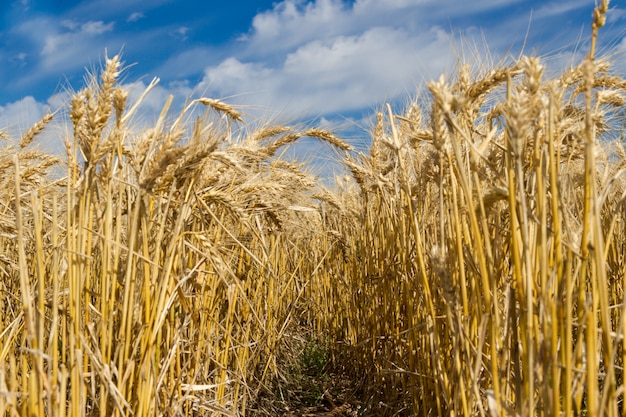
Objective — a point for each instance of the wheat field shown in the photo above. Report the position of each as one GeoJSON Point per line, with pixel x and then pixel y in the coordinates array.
{"type": "Point", "coordinates": [471, 263]}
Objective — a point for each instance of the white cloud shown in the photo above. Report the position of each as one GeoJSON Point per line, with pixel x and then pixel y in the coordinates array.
{"type": "Point", "coordinates": [317, 57]}
{"type": "Point", "coordinates": [361, 5]}
{"type": "Point", "coordinates": [64, 48]}
{"type": "Point", "coordinates": [615, 15]}
{"type": "Point", "coordinates": [69, 24]}
{"type": "Point", "coordinates": [96, 27]}
{"type": "Point", "coordinates": [135, 17]}
{"type": "Point", "coordinates": [91, 27]}
{"type": "Point", "coordinates": [341, 74]}
{"type": "Point", "coordinates": [302, 57]}
{"type": "Point", "coordinates": [109, 9]}
{"type": "Point", "coordinates": [552, 9]}
{"type": "Point", "coordinates": [53, 42]}
{"type": "Point", "coordinates": [77, 36]}
{"type": "Point", "coordinates": [19, 116]}
{"type": "Point", "coordinates": [327, 56]}
{"type": "Point", "coordinates": [67, 50]}
{"type": "Point", "coordinates": [292, 22]}
{"type": "Point", "coordinates": [180, 33]}
{"type": "Point", "coordinates": [324, 56]}
{"type": "Point", "coordinates": [19, 59]}
{"type": "Point", "coordinates": [152, 104]}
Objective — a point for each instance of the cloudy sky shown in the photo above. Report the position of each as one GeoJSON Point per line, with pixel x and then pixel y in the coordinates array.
{"type": "Point", "coordinates": [332, 61]}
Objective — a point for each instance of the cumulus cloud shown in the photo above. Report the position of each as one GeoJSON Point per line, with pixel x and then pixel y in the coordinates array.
{"type": "Point", "coordinates": [152, 104]}
{"type": "Point", "coordinates": [324, 56]}
{"type": "Point", "coordinates": [292, 22]}
{"type": "Point", "coordinates": [340, 74]}
{"type": "Point", "coordinates": [305, 57]}
{"type": "Point", "coordinates": [19, 116]}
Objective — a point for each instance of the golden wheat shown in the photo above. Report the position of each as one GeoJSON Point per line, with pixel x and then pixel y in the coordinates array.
{"type": "Point", "coordinates": [470, 263]}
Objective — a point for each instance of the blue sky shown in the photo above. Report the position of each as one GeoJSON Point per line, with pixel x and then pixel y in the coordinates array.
{"type": "Point", "coordinates": [331, 62]}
